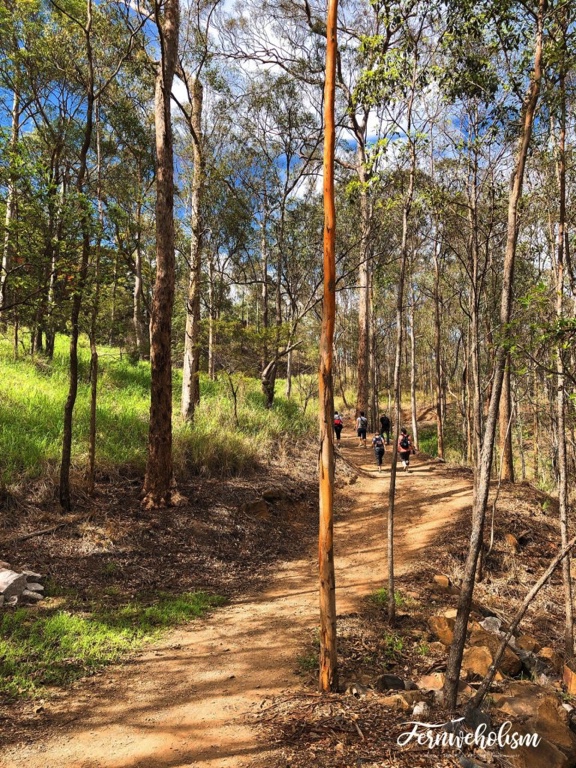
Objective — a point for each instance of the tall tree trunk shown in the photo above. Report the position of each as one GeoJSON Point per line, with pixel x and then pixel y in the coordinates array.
{"type": "Point", "coordinates": [10, 203]}
{"type": "Point", "coordinates": [398, 358]}
{"type": "Point", "coordinates": [364, 323]}
{"type": "Point", "coordinates": [211, 322]}
{"type": "Point", "coordinates": [438, 351]}
{"type": "Point", "coordinates": [507, 468]}
{"type": "Point", "coordinates": [94, 317]}
{"type": "Point", "coordinates": [328, 677]}
{"type": "Point", "coordinates": [413, 406]}
{"type": "Point", "coordinates": [191, 372]}
{"type": "Point", "coordinates": [560, 377]}
{"type": "Point", "coordinates": [158, 482]}
{"type": "Point", "coordinates": [482, 483]}
{"type": "Point", "coordinates": [64, 489]}
{"type": "Point", "coordinates": [141, 332]}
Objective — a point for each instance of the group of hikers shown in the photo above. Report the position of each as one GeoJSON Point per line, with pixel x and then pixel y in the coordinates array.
{"type": "Point", "coordinates": [405, 444]}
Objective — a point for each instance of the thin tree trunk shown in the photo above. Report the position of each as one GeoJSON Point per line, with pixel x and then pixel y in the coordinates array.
{"type": "Point", "coordinates": [64, 489]}
{"type": "Point", "coordinates": [560, 379]}
{"type": "Point", "coordinates": [482, 485]}
{"type": "Point", "coordinates": [191, 372]}
{"type": "Point", "coordinates": [438, 352]}
{"type": "Point", "coordinates": [398, 363]}
{"type": "Point", "coordinates": [363, 288]}
{"type": "Point", "coordinates": [10, 203]}
{"type": "Point", "coordinates": [413, 406]}
{"type": "Point", "coordinates": [141, 332]}
{"type": "Point", "coordinates": [328, 676]}
{"type": "Point", "coordinates": [158, 483]}
{"type": "Point", "coordinates": [507, 468]}
{"type": "Point", "coordinates": [211, 323]}
{"type": "Point", "coordinates": [94, 318]}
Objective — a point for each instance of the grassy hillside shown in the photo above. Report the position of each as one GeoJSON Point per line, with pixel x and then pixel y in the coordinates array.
{"type": "Point", "coordinates": [33, 392]}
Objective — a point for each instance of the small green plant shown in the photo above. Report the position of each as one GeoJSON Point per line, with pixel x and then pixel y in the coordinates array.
{"type": "Point", "coordinates": [307, 662]}
{"type": "Point", "coordinates": [55, 646]}
{"type": "Point", "coordinates": [423, 649]}
{"type": "Point", "coordinates": [380, 598]}
{"type": "Point", "coordinates": [392, 644]}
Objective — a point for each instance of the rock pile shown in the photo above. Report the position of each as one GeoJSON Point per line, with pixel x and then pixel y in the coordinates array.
{"type": "Point", "coordinates": [16, 588]}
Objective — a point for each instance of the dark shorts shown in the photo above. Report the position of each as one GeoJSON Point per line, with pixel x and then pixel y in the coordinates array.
{"type": "Point", "coordinates": [405, 455]}
{"type": "Point", "coordinates": [362, 434]}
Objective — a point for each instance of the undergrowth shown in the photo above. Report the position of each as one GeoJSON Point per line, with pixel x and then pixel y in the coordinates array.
{"type": "Point", "coordinates": [33, 392]}
{"type": "Point", "coordinates": [51, 646]}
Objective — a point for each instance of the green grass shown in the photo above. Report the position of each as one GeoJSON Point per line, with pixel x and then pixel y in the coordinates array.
{"type": "Point", "coordinates": [53, 647]}
{"type": "Point", "coordinates": [380, 598]}
{"type": "Point", "coordinates": [33, 393]}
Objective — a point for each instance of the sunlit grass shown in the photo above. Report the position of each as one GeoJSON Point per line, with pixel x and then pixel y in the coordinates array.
{"type": "Point", "coordinates": [53, 647]}
{"type": "Point", "coordinates": [33, 393]}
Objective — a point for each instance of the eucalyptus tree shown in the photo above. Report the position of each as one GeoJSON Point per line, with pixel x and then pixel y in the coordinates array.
{"type": "Point", "coordinates": [530, 22]}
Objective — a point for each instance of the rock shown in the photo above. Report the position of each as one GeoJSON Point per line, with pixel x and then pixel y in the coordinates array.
{"type": "Point", "coordinates": [396, 701]}
{"type": "Point", "coordinates": [33, 597]}
{"type": "Point", "coordinates": [437, 647]}
{"type": "Point", "coordinates": [550, 656]}
{"type": "Point", "coordinates": [510, 663]}
{"type": "Point", "coordinates": [476, 717]}
{"type": "Point", "coordinates": [4, 566]}
{"type": "Point", "coordinates": [527, 643]}
{"type": "Point", "coordinates": [11, 601]}
{"type": "Point", "coordinates": [541, 713]}
{"type": "Point", "coordinates": [389, 683]}
{"type": "Point", "coordinates": [34, 587]}
{"type": "Point", "coordinates": [32, 575]}
{"type": "Point", "coordinates": [491, 624]}
{"type": "Point", "coordinates": [451, 613]}
{"type": "Point", "coordinates": [12, 583]}
{"type": "Point", "coordinates": [357, 690]}
{"type": "Point", "coordinates": [441, 581]}
{"type": "Point", "coordinates": [569, 679]}
{"type": "Point", "coordinates": [274, 494]}
{"type": "Point", "coordinates": [442, 628]}
{"type": "Point", "coordinates": [512, 541]}
{"type": "Point", "coordinates": [421, 709]}
{"type": "Point", "coordinates": [545, 755]}
{"type": "Point", "coordinates": [256, 508]}
{"type": "Point", "coordinates": [476, 660]}
{"type": "Point", "coordinates": [433, 682]}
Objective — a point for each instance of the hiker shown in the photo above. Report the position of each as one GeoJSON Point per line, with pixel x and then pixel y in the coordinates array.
{"type": "Point", "coordinates": [385, 428]}
{"type": "Point", "coordinates": [378, 445]}
{"type": "Point", "coordinates": [338, 424]}
{"type": "Point", "coordinates": [361, 427]}
{"type": "Point", "coordinates": [405, 448]}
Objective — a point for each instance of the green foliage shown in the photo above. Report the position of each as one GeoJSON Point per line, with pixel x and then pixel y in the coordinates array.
{"type": "Point", "coordinates": [33, 393]}
{"type": "Point", "coordinates": [393, 644]}
{"type": "Point", "coordinates": [380, 597]}
{"type": "Point", "coordinates": [53, 646]}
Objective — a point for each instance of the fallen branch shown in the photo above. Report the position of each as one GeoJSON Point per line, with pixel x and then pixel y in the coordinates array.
{"type": "Point", "coordinates": [35, 533]}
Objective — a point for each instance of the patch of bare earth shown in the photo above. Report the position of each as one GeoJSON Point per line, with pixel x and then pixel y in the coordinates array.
{"type": "Point", "coordinates": [228, 690]}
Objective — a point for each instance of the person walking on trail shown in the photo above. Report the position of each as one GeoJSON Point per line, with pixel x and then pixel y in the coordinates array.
{"type": "Point", "coordinates": [385, 428]}
{"type": "Point", "coordinates": [405, 448]}
{"type": "Point", "coordinates": [378, 445]}
{"type": "Point", "coordinates": [338, 424]}
{"type": "Point", "coordinates": [361, 427]}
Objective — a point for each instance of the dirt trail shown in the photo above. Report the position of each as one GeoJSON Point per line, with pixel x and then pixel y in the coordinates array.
{"type": "Point", "coordinates": [185, 702]}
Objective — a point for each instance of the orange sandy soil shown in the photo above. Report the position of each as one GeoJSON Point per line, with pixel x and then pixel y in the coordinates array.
{"type": "Point", "coordinates": [190, 700]}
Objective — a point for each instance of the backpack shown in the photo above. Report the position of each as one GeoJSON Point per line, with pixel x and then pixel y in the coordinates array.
{"type": "Point", "coordinates": [378, 442]}
{"type": "Point", "coordinates": [405, 443]}
{"type": "Point", "coordinates": [338, 422]}
{"type": "Point", "coordinates": [363, 422]}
